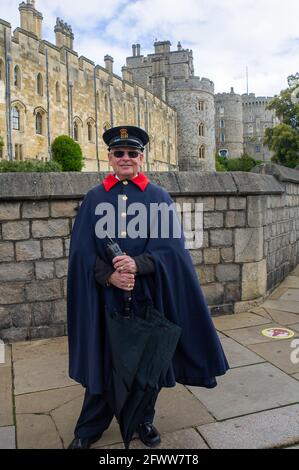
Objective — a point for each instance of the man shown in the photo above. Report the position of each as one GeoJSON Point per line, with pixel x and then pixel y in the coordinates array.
{"type": "Point", "coordinates": [153, 266]}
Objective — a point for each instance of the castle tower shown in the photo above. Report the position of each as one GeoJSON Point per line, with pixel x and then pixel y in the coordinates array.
{"type": "Point", "coordinates": [63, 34]}
{"type": "Point", "coordinates": [31, 20]}
{"type": "Point", "coordinates": [229, 124]}
{"type": "Point", "coordinates": [170, 76]}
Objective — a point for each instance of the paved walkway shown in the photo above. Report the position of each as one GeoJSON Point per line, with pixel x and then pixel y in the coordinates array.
{"type": "Point", "coordinates": [256, 404]}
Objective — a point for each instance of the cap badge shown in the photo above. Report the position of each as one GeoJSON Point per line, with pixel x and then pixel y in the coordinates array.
{"type": "Point", "coordinates": [124, 134]}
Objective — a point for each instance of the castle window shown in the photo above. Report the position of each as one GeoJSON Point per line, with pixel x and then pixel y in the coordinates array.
{"type": "Point", "coordinates": [17, 76]}
{"type": "Point", "coordinates": [39, 85]}
{"type": "Point", "coordinates": [222, 124]}
{"type": "Point", "coordinates": [222, 137]}
{"type": "Point", "coordinates": [257, 149]}
{"type": "Point", "coordinates": [201, 106]}
{"type": "Point", "coordinates": [90, 131]}
{"type": "Point", "coordinates": [250, 129]}
{"type": "Point", "coordinates": [202, 152]}
{"type": "Point", "coordinates": [39, 123]}
{"type": "Point", "coordinates": [221, 111]}
{"type": "Point", "coordinates": [18, 152]}
{"type": "Point", "coordinates": [58, 95]}
{"type": "Point", "coordinates": [106, 102]}
{"type": "Point", "coordinates": [2, 70]}
{"type": "Point", "coordinates": [76, 131]}
{"type": "Point", "coordinates": [223, 153]}
{"type": "Point", "coordinates": [15, 118]}
{"type": "Point", "coordinates": [201, 129]}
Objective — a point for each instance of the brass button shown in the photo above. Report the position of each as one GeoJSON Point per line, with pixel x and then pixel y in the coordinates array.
{"type": "Point", "coordinates": [124, 198]}
{"type": "Point", "coordinates": [123, 214]}
{"type": "Point", "coordinates": [123, 234]}
{"type": "Point", "coordinates": [125, 253]}
{"type": "Point", "coordinates": [125, 182]}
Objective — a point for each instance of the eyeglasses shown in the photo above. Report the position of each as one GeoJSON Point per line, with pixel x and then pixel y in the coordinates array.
{"type": "Point", "coordinates": [121, 153]}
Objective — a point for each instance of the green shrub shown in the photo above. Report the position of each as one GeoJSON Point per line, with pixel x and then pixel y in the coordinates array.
{"type": "Point", "coordinates": [67, 153]}
{"type": "Point", "coordinates": [28, 166]}
{"type": "Point", "coordinates": [244, 163]}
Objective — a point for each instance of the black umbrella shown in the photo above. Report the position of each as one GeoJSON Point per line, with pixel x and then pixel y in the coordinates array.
{"type": "Point", "coordinates": [141, 348]}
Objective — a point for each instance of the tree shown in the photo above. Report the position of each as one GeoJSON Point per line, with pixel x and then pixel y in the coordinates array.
{"type": "Point", "coordinates": [67, 153]}
{"type": "Point", "coordinates": [244, 163]}
{"type": "Point", "coordinates": [283, 139]}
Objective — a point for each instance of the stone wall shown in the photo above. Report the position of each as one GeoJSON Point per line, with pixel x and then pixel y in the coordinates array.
{"type": "Point", "coordinates": [251, 240]}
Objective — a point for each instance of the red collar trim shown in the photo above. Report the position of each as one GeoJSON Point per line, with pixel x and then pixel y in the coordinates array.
{"type": "Point", "coordinates": [140, 180]}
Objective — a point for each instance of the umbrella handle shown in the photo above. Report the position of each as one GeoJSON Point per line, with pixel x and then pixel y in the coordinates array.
{"type": "Point", "coordinates": [128, 303]}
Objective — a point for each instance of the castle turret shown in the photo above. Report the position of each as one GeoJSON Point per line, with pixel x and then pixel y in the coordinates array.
{"type": "Point", "coordinates": [109, 63]}
{"type": "Point", "coordinates": [31, 20]}
{"type": "Point", "coordinates": [64, 34]}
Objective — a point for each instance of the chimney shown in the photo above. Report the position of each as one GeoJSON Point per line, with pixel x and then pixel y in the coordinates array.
{"type": "Point", "coordinates": [232, 90]}
{"type": "Point", "coordinates": [31, 20]}
{"type": "Point", "coordinates": [179, 46]}
{"type": "Point", "coordinates": [127, 74]}
{"type": "Point", "coordinates": [64, 34]}
{"type": "Point", "coordinates": [134, 50]}
{"type": "Point", "coordinates": [109, 63]}
{"type": "Point", "coordinates": [138, 49]}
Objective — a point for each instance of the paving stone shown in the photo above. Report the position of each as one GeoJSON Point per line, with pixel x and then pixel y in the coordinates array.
{"type": "Point", "coordinates": [291, 294]}
{"type": "Point", "coordinates": [7, 437]}
{"type": "Point", "coordinates": [281, 317]}
{"type": "Point", "coordinates": [285, 305]}
{"type": "Point", "coordinates": [268, 429]}
{"type": "Point", "coordinates": [290, 282]}
{"type": "Point", "coordinates": [248, 389]}
{"type": "Point", "coordinates": [50, 400]}
{"type": "Point", "coordinates": [294, 326]}
{"type": "Point", "coordinates": [41, 365]}
{"type": "Point", "coordinates": [278, 293]}
{"type": "Point", "coordinates": [237, 355]}
{"type": "Point", "coordinates": [278, 352]}
{"type": "Point", "coordinates": [37, 432]}
{"type": "Point", "coordinates": [183, 439]}
{"type": "Point", "coordinates": [296, 376]}
{"type": "Point", "coordinates": [6, 406]}
{"type": "Point", "coordinates": [295, 272]}
{"type": "Point", "coordinates": [260, 311]}
{"type": "Point", "coordinates": [240, 320]}
{"type": "Point", "coordinates": [252, 335]}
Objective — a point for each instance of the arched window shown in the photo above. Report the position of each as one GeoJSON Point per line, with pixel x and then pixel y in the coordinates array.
{"type": "Point", "coordinates": [76, 131]}
{"type": "Point", "coordinates": [202, 152]}
{"type": "Point", "coordinates": [57, 90]}
{"type": "Point", "coordinates": [15, 118]}
{"type": "Point", "coordinates": [17, 76]}
{"type": "Point", "coordinates": [39, 123]}
{"type": "Point", "coordinates": [2, 70]}
{"type": "Point", "coordinates": [201, 129]}
{"type": "Point", "coordinates": [39, 85]}
{"type": "Point", "coordinates": [106, 102]}
{"type": "Point", "coordinates": [201, 105]}
{"type": "Point", "coordinates": [90, 131]}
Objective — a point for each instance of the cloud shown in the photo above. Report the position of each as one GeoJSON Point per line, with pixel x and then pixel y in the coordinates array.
{"type": "Point", "coordinates": [225, 35]}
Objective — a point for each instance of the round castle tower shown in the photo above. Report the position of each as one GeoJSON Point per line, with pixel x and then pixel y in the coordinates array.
{"type": "Point", "coordinates": [229, 124]}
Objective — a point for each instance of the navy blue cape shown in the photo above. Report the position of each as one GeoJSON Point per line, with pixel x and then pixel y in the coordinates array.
{"type": "Point", "coordinates": [174, 289]}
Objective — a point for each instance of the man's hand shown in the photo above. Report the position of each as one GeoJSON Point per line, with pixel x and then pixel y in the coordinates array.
{"type": "Point", "coordinates": [124, 264]}
{"type": "Point", "coordinates": [124, 281]}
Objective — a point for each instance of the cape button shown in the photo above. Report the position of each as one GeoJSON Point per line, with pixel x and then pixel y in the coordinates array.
{"type": "Point", "coordinates": [124, 198]}
{"type": "Point", "coordinates": [123, 214]}
{"type": "Point", "coordinates": [125, 182]}
{"type": "Point", "coordinates": [123, 234]}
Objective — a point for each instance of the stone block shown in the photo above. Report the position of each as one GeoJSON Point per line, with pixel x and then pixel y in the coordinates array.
{"type": "Point", "coordinates": [212, 255]}
{"type": "Point", "coordinates": [53, 248]}
{"type": "Point", "coordinates": [6, 252]}
{"type": "Point", "coordinates": [52, 331]}
{"type": "Point", "coordinates": [196, 256]}
{"type": "Point", "coordinates": [43, 290]}
{"type": "Point", "coordinates": [254, 280]}
{"type": "Point", "coordinates": [11, 293]}
{"type": "Point", "coordinates": [221, 203]}
{"type": "Point", "coordinates": [66, 246]}
{"type": "Point", "coordinates": [13, 335]}
{"type": "Point", "coordinates": [213, 220]}
{"type": "Point", "coordinates": [29, 250]}
{"type": "Point", "coordinates": [50, 228]}
{"type": "Point", "coordinates": [44, 270]}
{"type": "Point", "coordinates": [221, 237]}
{"type": "Point", "coordinates": [16, 272]}
{"type": "Point", "coordinates": [9, 210]}
{"type": "Point", "coordinates": [64, 208]}
{"type": "Point", "coordinates": [15, 230]}
{"type": "Point", "coordinates": [227, 255]}
{"type": "Point", "coordinates": [59, 311]}
{"type": "Point", "coordinates": [5, 318]}
{"type": "Point", "coordinates": [20, 315]}
{"type": "Point", "coordinates": [237, 203]}
{"type": "Point", "coordinates": [228, 272]}
{"type": "Point", "coordinates": [42, 313]}
{"type": "Point", "coordinates": [206, 274]}
{"type": "Point", "coordinates": [214, 293]}
{"type": "Point", "coordinates": [232, 292]}
{"type": "Point", "coordinates": [256, 211]}
{"type": "Point", "coordinates": [61, 266]}
{"type": "Point", "coordinates": [235, 219]}
{"type": "Point", "coordinates": [35, 210]}
{"type": "Point", "coordinates": [208, 203]}
{"type": "Point", "coordinates": [249, 244]}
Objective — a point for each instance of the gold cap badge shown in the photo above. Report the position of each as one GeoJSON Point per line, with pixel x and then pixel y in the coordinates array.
{"type": "Point", "coordinates": [124, 134]}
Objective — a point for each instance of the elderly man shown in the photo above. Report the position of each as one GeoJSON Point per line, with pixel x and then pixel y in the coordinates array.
{"type": "Point", "coordinates": [153, 266]}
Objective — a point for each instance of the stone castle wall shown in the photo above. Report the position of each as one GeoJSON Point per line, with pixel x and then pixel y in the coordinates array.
{"type": "Point", "coordinates": [229, 123]}
{"type": "Point", "coordinates": [250, 244]}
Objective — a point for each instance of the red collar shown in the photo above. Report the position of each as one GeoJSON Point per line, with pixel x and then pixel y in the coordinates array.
{"type": "Point", "coordinates": [140, 180]}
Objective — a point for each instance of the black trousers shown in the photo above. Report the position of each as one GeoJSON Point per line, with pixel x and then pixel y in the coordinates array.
{"type": "Point", "coordinates": [96, 416]}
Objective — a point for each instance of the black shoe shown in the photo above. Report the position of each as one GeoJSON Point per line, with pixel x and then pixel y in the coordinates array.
{"type": "Point", "coordinates": [82, 442]}
{"type": "Point", "coordinates": [149, 435]}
